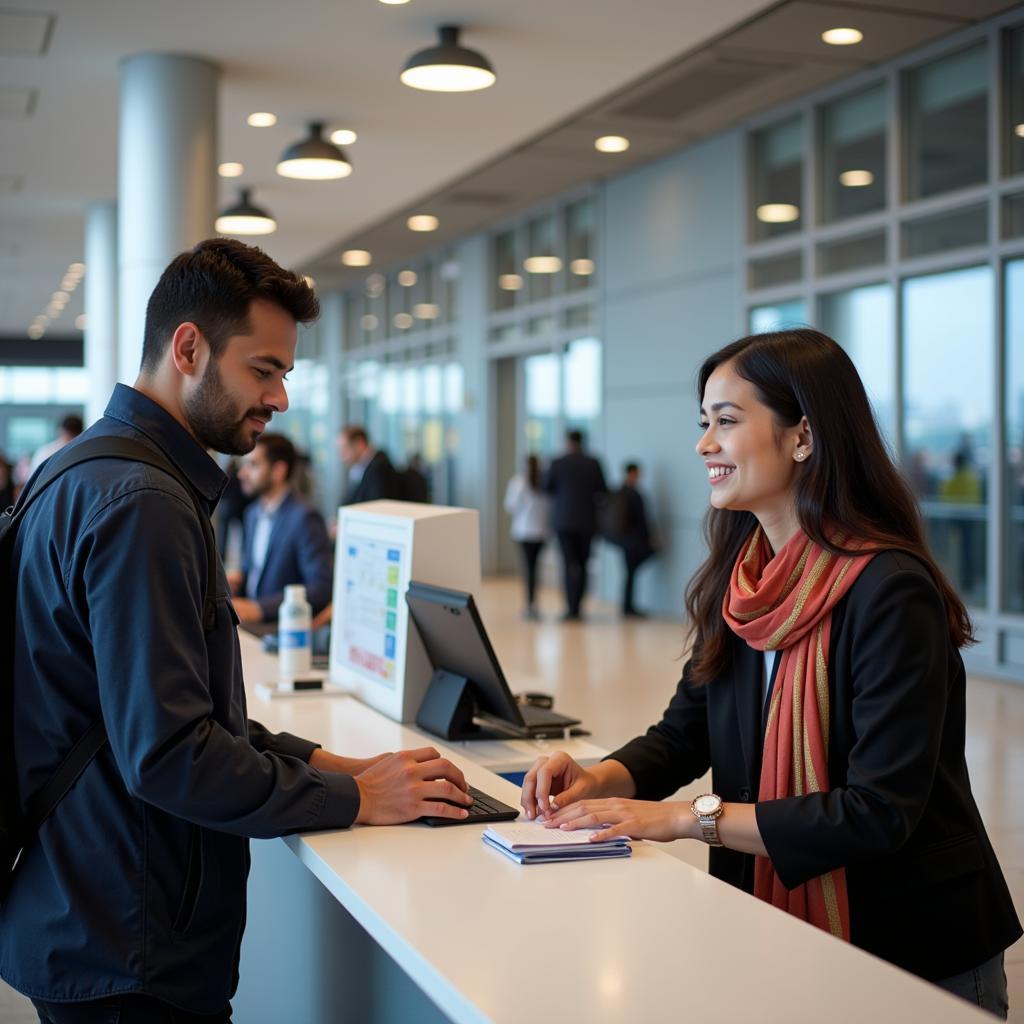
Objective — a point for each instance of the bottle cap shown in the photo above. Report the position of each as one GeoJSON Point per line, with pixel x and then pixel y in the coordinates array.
{"type": "Point", "coordinates": [294, 592]}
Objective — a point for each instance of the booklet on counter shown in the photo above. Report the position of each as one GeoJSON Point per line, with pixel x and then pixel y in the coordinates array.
{"type": "Point", "coordinates": [532, 843]}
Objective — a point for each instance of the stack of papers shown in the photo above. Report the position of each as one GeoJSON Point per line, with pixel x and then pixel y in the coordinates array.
{"type": "Point", "coordinates": [532, 843]}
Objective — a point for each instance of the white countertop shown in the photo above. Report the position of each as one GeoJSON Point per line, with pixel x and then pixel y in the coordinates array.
{"type": "Point", "coordinates": [647, 938]}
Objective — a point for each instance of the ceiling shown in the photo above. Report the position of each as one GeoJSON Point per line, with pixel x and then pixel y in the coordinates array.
{"type": "Point", "coordinates": [663, 72]}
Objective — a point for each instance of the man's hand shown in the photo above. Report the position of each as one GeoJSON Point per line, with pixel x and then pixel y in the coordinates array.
{"type": "Point", "coordinates": [324, 761]}
{"type": "Point", "coordinates": [405, 786]}
{"type": "Point", "coordinates": [246, 610]}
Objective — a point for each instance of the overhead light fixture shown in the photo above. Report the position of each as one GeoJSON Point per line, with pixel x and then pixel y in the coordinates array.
{"type": "Point", "coordinates": [35, 332]}
{"type": "Point", "coordinates": [407, 278]}
{"type": "Point", "coordinates": [856, 179]}
{"type": "Point", "coordinates": [77, 268]}
{"type": "Point", "coordinates": [426, 311]}
{"type": "Point", "coordinates": [778, 213]}
{"type": "Point", "coordinates": [356, 258]}
{"type": "Point", "coordinates": [611, 144]}
{"type": "Point", "coordinates": [343, 137]}
{"type": "Point", "coordinates": [510, 282]}
{"type": "Point", "coordinates": [582, 267]}
{"type": "Point", "coordinates": [422, 222]}
{"type": "Point", "coordinates": [230, 169]}
{"type": "Point", "coordinates": [394, 3]}
{"type": "Point", "coordinates": [80, 321]}
{"type": "Point", "coordinates": [542, 264]}
{"type": "Point", "coordinates": [262, 119]}
{"type": "Point", "coordinates": [1018, 130]}
{"type": "Point", "coordinates": [842, 36]}
{"type": "Point", "coordinates": [368, 322]}
{"type": "Point", "coordinates": [403, 321]}
{"type": "Point", "coordinates": [448, 67]}
{"type": "Point", "coordinates": [245, 218]}
{"type": "Point", "coordinates": [314, 158]}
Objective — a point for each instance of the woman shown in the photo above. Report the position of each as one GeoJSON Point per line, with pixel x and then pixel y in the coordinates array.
{"type": "Point", "coordinates": [825, 689]}
{"type": "Point", "coordinates": [530, 510]}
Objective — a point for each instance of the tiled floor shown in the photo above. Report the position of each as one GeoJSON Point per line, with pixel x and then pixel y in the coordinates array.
{"type": "Point", "coordinates": [618, 677]}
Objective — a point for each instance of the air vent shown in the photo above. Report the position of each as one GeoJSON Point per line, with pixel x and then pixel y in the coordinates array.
{"type": "Point", "coordinates": [698, 87]}
{"type": "Point", "coordinates": [17, 102]}
{"type": "Point", "coordinates": [23, 34]}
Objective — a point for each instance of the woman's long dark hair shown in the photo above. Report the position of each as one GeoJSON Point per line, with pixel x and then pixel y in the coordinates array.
{"type": "Point", "coordinates": [849, 483]}
{"type": "Point", "coordinates": [533, 472]}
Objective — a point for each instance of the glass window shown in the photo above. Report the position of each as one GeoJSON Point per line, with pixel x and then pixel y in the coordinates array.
{"type": "Point", "coordinates": [947, 329]}
{"type": "Point", "coordinates": [863, 321]}
{"type": "Point", "coordinates": [1013, 216]}
{"type": "Point", "coordinates": [542, 264]}
{"type": "Point", "coordinates": [1015, 102]}
{"type": "Point", "coordinates": [853, 177]}
{"type": "Point", "coordinates": [581, 372]}
{"type": "Point", "coordinates": [851, 253]}
{"type": "Point", "coordinates": [507, 277]}
{"type": "Point", "coordinates": [1014, 577]}
{"type": "Point", "coordinates": [778, 174]}
{"type": "Point", "coordinates": [777, 316]}
{"type": "Point", "coordinates": [944, 231]}
{"type": "Point", "coordinates": [542, 379]}
{"type": "Point", "coordinates": [579, 245]}
{"type": "Point", "coordinates": [947, 144]}
{"type": "Point", "coordinates": [775, 270]}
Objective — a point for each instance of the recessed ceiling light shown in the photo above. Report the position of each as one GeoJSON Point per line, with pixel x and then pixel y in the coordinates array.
{"type": "Point", "coordinates": [80, 321]}
{"type": "Point", "coordinates": [842, 36]}
{"type": "Point", "coordinates": [542, 264]}
{"type": "Point", "coordinates": [343, 137]}
{"type": "Point", "coordinates": [245, 218]}
{"type": "Point", "coordinates": [356, 258]}
{"type": "Point", "coordinates": [403, 321]}
{"type": "Point", "coordinates": [856, 179]}
{"type": "Point", "coordinates": [61, 297]}
{"type": "Point", "coordinates": [262, 119]}
{"type": "Point", "coordinates": [426, 311]}
{"type": "Point", "coordinates": [77, 268]}
{"type": "Point", "coordinates": [778, 213]}
{"type": "Point", "coordinates": [448, 67]}
{"type": "Point", "coordinates": [394, 3]}
{"type": "Point", "coordinates": [611, 144]}
{"type": "Point", "coordinates": [368, 322]}
{"type": "Point", "coordinates": [314, 158]}
{"type": "Point", "coordinates": [35, 332]}
{"type": "Point", "coordinates": [510, 282]}
{"type": "Point", "coordinates": [582, 267]}
{"type": "Point", "coordinates": [407, 278]}
{"type": "Point", "coordinates": [1019, 131]}
{"type": "Point", "coordinates": [422, 222]}
{"type": "Point", "coordinates": [230, 169]}
{"type": "Point", "coordinates": [68, 283]}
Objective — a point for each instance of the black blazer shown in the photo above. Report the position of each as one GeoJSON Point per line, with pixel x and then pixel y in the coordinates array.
{"type": "Point", "coordinates": [379, 480]}
{"type": "Point", "coordinates": [575, 482]}
{"type": "Point", "coordinates": [925, 889]}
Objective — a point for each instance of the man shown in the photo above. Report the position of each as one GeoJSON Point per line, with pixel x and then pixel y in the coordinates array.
{"type": "Point", "coordinates": [129, 904]}
{"type": "Point", "coordinates": [629, 529]}
{"type": "Point", "coordinates": [370, 473]}
{"type": "Point", "coordinates": [285, 540]}
{"type": "Point", "coordinates": [575, 481]}
{"type": "Point", "coordinates": [70, 427]}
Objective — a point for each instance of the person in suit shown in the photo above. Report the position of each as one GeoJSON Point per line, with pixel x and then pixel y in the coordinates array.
{"type": "Point", "coordinates": [284, 540]}
{"type": "Point", "coordinates": [370, 473]}
{"type": "Point", "coordinates": [628, 527]}
{"type": "Point", "coordinates": [825, 689]}
{"type": "Point", "coordinates": [575, 482]}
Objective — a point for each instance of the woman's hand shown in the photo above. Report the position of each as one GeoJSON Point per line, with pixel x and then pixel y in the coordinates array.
{"type": "Point", "coordinates": [662, 820]}
{"type": "Point", "coordinates": [555, 776]}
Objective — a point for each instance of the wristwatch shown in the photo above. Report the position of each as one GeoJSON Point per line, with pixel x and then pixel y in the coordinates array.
{"type": "Point", "coordinates": [707, 809]}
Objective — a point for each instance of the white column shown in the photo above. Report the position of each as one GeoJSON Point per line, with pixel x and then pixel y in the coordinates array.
{"type": "Point", "coordinates": [332, 330]}
{"type": "Point", "coordinates": [100, 306]}
{"type": "Point", "coordinates": [167, 178]}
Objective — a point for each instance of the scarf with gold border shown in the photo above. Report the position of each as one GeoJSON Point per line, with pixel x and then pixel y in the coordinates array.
{"type": "Point", "coordinates": [784, 603]}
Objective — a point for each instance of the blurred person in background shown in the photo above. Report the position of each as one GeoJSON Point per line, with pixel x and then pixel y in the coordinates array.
{"type": "Point", "coordinates": [371, 475]}
{"type": "Point", "coordinates": [70, 427]}
{"type": "Point", "coordinates": [530, 509]}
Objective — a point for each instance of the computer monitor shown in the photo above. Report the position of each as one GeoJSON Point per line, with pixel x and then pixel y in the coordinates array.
{"type": "Point", "coordinates": [468, 697]}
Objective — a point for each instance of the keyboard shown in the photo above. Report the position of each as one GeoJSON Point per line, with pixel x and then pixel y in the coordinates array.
{"type": "Point", "coordinates": [484, 809]}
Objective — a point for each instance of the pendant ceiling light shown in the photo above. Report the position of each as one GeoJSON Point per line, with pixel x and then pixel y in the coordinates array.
{"type": "Point", "coordinates": [314, 158]}
{"type": "Point", "coordinates": [245, 218]}
{"type": "Point", "coordinates": [448, 67]}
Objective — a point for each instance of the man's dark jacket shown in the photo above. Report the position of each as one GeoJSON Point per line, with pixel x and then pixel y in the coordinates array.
{"type": "Point", "coordinates": [136, 883]}
{"type": "Point", "coordinates": [299, 551]}
{"type": "Point", "coordinates": [925, 889]}
{"type": "Point", "coordinates": [575, 483]}
{"type": "Point", "coordinates": [379, 480]}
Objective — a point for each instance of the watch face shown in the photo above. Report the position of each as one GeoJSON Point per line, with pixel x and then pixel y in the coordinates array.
{"type": "Point", "coordinates": [707, 804]}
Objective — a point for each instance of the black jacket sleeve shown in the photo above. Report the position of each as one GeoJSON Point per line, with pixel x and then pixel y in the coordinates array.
{"type": "Point", "coordinates": [900, 643]}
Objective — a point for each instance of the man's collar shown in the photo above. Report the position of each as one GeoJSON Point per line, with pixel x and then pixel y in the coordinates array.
{"type": "Point", "coordinates": [152, 419]}
{"type": "Point", "coordinates": [269, 508]}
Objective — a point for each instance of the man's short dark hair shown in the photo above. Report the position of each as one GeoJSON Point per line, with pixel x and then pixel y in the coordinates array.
{"type": "Point", "coordinates": [632, 467]}
{"type": "Point", "coordinates": [72, 425]}
{"type": "Point", "coordinates": [354, 432]}
{"type": "Point", "coordinates": [278, 449]}
{"type": "Point", "coordinates": [575, 437]}
{"type": "Point", "coordinates": [213, 285]}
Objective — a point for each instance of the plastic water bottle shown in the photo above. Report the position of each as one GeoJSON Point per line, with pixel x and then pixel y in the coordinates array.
{"type": "Point", "coordinates": [294, 636]}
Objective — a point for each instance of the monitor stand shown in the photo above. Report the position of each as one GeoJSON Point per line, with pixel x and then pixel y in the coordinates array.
{"type": "Point", "coordinates": [449, 711]}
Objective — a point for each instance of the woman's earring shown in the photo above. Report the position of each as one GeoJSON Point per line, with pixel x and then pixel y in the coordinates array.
{"type": "Point", "coordinates": [798, 455]}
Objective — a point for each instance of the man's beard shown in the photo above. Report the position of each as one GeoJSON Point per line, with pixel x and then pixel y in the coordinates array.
{"type": "Point", "coordinates": [215, 418]}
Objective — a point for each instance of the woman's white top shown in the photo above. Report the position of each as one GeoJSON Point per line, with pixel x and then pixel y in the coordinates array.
{"type": "Point", "coordinates": [769, 664]}
{"type": "Point", "coordinates": [530, 510]}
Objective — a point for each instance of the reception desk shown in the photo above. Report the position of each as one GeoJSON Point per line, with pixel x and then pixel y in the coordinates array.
{"type": "Point", "coordinates": [408, 923]}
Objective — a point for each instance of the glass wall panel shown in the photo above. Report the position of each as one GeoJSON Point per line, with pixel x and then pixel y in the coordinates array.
{"type": "Point", "coordinates": [863, 321]}
{"type": "Point", "coordinates": [853, 178]}
{"type": "Point", "coordinates": [542, 380]}
{"type": "Point", "coordinates": [581, 373]}
{"type": "Point", "coordinates": [852, 253]}
{"type": "Point", "coordinates": [778, 174]}
{"type": "Point", "coordinates": [947, 352]}
{"type": "Point", "coordinates": [579, 245]}
{"type": "Point", "coordinates": [507, 279]}
{"type": "Point", "coordinates": [1015, 102]}
{"type": "Point", "coordinates": [945, 231]}
{"type": "Point", "coordinates": [777, 316]}
{"type": "Point", "coordinates": [1013, 216]}
{"type": "Point", "coordinates": [1014, 468]}
{"type": "Point", "coordinates": [543, 265]}
{"type": "Point", "coordinates": [947, 108]}
{"type": "Point", "coordinates": [774, 270]}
